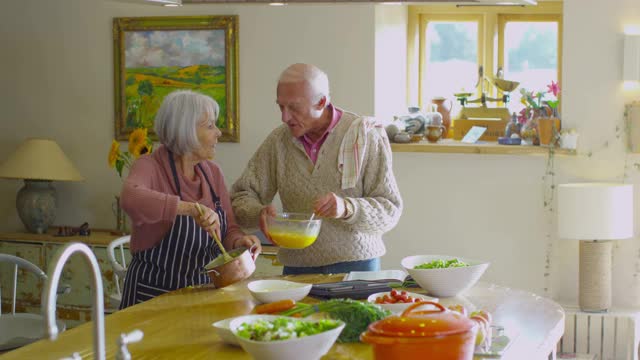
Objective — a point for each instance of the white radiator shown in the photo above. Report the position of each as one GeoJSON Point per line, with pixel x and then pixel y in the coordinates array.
{"type": "Point", "coordinates": [609, 336]}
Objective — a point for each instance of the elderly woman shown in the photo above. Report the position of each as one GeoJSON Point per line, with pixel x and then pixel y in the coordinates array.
{"type": "Point", "coordinates": [171, 241]}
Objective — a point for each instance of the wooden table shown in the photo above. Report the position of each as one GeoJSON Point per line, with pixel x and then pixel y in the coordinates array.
{"type": "Point", "coordinates": [178, 325]}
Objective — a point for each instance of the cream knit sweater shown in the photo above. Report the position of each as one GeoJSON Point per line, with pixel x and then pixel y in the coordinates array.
{"type": "Point", "coordinates": [281, 165]}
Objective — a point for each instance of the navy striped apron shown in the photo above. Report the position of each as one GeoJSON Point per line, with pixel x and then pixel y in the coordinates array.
{"type": "Point", "coordinates": [178, 260]}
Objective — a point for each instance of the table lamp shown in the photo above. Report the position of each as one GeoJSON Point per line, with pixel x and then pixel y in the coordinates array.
{"type": "Point", "coordinates": [595, 213]}
{"type": "Point", "coordinates": [38, 162]}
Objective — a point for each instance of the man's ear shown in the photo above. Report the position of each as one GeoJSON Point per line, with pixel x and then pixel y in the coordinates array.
{"type": "Point", "coordinates": [322, 103]}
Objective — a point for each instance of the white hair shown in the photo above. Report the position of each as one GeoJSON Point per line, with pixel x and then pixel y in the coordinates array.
{"type": "Point", "coordinates": [178, 117]}
{"type": "Point", "coordinates": [315, 78]}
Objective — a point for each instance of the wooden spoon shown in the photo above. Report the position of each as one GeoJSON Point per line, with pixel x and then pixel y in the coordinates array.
{"type": "Point", "coordinates": [213, 234]}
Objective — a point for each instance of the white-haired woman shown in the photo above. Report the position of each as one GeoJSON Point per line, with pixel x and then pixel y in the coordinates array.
{"type": "Point", "coordinates": [170, 241]}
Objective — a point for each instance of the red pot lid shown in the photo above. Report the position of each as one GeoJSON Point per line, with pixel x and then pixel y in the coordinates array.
{"type": "Point", "coordinates": [423, 323]}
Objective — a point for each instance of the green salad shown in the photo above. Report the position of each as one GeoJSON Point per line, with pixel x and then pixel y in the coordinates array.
{"type": "Point", "coordinates": [441, 264]}
{"type": "Point", "coordinates": [284, 329]}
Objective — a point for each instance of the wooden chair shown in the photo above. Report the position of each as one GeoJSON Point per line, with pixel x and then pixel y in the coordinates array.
{"type": "Point", "coordinates": [119, 267]}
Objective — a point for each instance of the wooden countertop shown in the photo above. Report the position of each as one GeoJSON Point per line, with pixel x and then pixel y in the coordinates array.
{"type": "Point", "coordinates": [178, 325]}
{"type": "Point", "coordinates": [97, 237]}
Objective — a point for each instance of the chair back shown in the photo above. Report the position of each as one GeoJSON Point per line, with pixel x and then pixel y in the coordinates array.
{"type": "Point", "coordinates": [19, 263]}
{"type": "Point", "coordinates": [118, 262]}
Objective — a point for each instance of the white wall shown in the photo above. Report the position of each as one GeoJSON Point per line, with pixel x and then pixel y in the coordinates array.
{"type": "Point", "coordinates": [58, 82]}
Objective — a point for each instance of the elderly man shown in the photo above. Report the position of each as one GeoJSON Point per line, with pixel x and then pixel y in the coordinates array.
{"type": "Point", "coordinates": [329, 161]}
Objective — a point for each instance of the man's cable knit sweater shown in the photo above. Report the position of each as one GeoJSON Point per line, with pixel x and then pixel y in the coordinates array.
{"type": "Point", "coordinates": [281, 165]}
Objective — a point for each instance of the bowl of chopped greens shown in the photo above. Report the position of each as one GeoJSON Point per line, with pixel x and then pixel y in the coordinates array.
{"type": "Point", "coordinates": [443, 275]}
{"type": "Point", "coordinates": [285, 338]}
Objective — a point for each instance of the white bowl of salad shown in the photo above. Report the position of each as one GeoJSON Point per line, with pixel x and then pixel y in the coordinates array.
{"type": "Point", "coordinates": [444, 275]}
{"type": "Point", "coordinates": [285, 338]}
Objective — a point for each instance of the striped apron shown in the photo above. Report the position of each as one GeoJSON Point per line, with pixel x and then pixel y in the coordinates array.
{"type": "Point", "coordinates": [178, 260]}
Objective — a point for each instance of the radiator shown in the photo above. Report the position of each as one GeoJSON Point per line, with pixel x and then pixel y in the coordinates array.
{"type": "Point", "coordinates": [609, 336]}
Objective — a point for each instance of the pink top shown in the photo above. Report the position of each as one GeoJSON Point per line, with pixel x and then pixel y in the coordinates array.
{"type": "Point", "coordinates": [313, 149]}
{"type": "Point", "coordinates": [150, 198]}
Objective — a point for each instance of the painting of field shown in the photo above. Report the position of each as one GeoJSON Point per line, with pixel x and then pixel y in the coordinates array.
{"type": "Point", "coordinates": [156, 62]}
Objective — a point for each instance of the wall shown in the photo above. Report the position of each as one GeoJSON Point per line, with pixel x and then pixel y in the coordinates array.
{"type": "Point", "coordinates": [57, 57]}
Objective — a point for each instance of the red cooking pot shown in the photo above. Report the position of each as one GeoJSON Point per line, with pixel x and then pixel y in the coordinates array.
{"type": "Point", "coordinates": [425, 334]}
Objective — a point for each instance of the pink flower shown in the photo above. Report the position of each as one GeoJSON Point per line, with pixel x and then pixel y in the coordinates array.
{"type": "Point", "coordinates": [554, 88]}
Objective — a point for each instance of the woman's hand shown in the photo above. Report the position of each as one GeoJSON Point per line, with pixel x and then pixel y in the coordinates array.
{"type": "Point", "coordinates": [208, 220]}
{"type": "Point", "coordinates": [248, 241]}
{"type": "Point", "coordinates": [266, 211]}
{"type": "Point", "coordinates": [329, 205]}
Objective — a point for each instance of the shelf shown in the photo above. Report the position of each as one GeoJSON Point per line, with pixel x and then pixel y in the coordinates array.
{"type": "Point", "coordinates": [493, 148]}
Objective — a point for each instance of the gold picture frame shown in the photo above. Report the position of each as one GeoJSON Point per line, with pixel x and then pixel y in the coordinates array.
{"type": "Point", "coordinates": [156, 55]}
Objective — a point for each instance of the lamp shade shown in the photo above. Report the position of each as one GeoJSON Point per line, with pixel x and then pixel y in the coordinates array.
{"type": "Point", "coordinates": [595, 211]}
{"type": "Point", "coordinates": [39, 159]}
{"type": "Point", "coordinates": [631, 66]}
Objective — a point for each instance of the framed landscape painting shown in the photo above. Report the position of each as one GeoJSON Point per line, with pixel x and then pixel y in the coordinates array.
{"type": "Point", "coordinates": [154, 56]}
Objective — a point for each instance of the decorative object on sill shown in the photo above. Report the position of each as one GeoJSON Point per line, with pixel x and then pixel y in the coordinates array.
{"type": "Point", "coordinates": [529, 133]}
{"type": "Point", "coordinates": [121, 218]}
{"type": "Point", "coordinates": [510, 140]}
{"type": "Point", "coordinates": [416, 138]}
{"type": "Point", "coordinates": [569, 139]}
{"type": "Point", "coordinates": [595, 213]}
{"type": "Point", "coordinates": [402, 137]}
{"type": "Point", "coordinates": [434, 133]}
{"type": "Point", "coordinates": [433, 116]}
{"type": "Point", "coordinates": [392, 130]}
{"type": "Point", "coordinates": [549, 129]}
{"type": "Point", "coordinates": [415, 121]}
{"type": "Point", "coordinates": [38, 162]}
{"type": "Point", "coordinates": [445, 112]}
{"type": "Point", "coordinates": [513, 127]}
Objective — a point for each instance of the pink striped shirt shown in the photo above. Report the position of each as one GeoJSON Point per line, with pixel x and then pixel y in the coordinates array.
{"type": "Point", "coordinates": [150, 198]}
{"type": "Point", "coordinates": [312, 148]}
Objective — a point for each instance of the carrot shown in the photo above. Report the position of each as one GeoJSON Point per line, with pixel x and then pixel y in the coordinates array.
{"type": "Point", "coordinates": [275, 307]}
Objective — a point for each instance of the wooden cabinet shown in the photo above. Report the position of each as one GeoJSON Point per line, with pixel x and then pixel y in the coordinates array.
{"type": "Point", "coordinates": [75, 307]}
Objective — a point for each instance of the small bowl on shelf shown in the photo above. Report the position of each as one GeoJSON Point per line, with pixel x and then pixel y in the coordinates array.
{"type": "Point", "coordinates": [293, 230]}
{"type": "Point", "coordinates": [444, 282]}
{"type": "Point", "coordinates": [266, 291]}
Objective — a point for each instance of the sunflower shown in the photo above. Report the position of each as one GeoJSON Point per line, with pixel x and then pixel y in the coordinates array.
{"type": "Point", "coordinates": [114, 153]}
{"type": "Point", "coordinates": [137, 139]}
{"type": "Point", "coordinates": [141, 149]}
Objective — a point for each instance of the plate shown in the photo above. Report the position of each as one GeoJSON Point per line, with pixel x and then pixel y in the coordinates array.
{"type": "Point", "coordinates": [398, 307]}
{"type": "Point", "coordinates": [462, 94]}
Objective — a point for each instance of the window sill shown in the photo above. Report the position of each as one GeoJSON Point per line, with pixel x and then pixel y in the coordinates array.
{"type": "Point", "coordinates": [492, 148]}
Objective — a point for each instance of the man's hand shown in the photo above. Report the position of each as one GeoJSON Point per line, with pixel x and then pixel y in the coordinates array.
{"type": "Point", "coordinates": [266, 211]}
{"type": "Point", "coordinates": [329, 206]}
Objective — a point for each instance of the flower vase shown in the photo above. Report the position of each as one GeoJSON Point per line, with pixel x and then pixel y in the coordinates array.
{"type": "Point", "coordinates": [549, 130]}
{"type": "Point", "coordinates": [121, 217]}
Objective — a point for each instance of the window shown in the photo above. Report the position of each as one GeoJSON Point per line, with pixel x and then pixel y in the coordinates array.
{"type": "Point", "coordinates": [452, 45]}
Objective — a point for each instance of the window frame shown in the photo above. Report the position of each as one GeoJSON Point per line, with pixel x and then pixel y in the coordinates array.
{"type": "Point", "coordinates": [491, 28]}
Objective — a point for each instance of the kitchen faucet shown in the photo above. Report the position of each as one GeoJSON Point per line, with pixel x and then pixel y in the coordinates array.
{"type": "Point", "coordinates": [49, 295]}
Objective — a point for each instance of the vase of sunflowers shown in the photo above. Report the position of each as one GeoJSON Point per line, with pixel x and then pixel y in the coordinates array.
{"type": "Point", "coordinates": [139, 144]}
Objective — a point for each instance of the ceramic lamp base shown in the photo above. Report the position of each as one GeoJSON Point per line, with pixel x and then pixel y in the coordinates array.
{"type": "Point", "coordinates": [36, 205]}
{"type": "Point", "coordinates": [595, 276]}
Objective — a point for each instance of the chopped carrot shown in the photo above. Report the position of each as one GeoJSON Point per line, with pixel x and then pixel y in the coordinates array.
{"type": "Point", "coordinates": [275, 307]}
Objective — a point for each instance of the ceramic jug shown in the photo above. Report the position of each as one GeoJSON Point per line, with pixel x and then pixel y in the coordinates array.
{"type": "Point", "coordinates": [445, 112]}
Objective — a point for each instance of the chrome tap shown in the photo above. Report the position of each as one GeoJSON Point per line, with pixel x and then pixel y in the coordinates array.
{"type": "Point", "coordinates": [49, 295]}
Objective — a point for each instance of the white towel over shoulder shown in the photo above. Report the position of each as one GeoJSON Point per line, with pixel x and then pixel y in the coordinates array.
{"type": "Point", "coordinates": [352, 149]}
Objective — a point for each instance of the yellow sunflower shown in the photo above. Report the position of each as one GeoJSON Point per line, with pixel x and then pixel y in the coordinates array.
{"type": "Point", "coordinates": [114, 153]}
{"type": "Point", "coordinates": [137, 139]}
{"type": "Point", "coordinates": [141, 149]}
